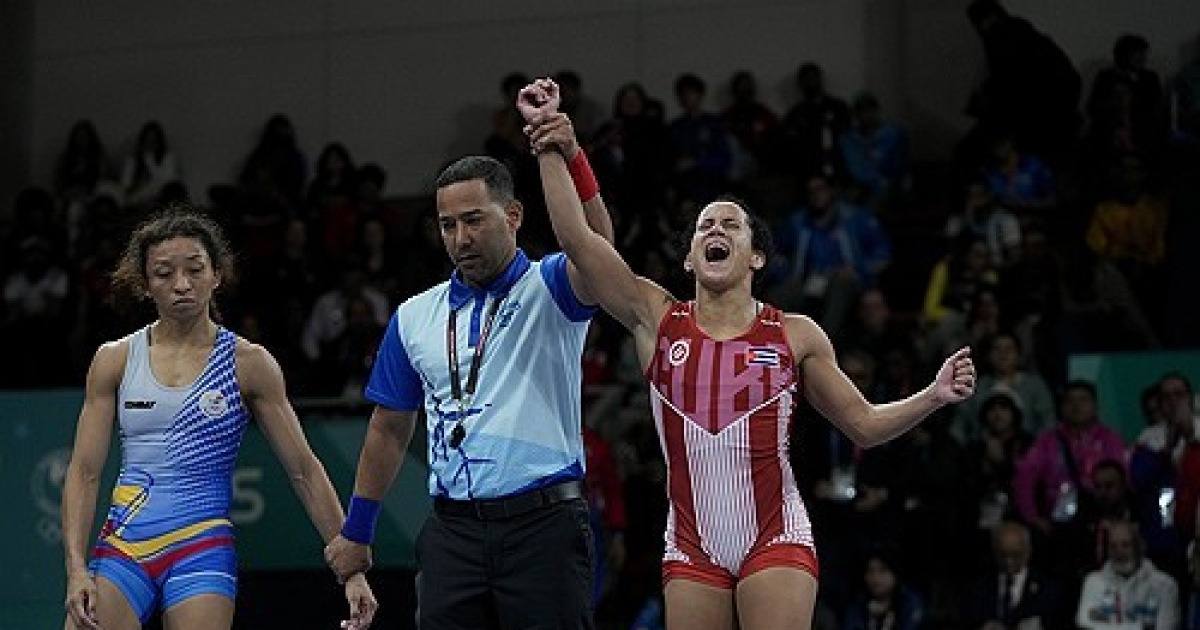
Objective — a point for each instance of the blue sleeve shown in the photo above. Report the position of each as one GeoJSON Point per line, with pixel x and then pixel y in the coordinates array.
{"type": "Point", "coordinates": [554, 273]}
{"type": "Point", "coordinates": [394, 383]}
{"type": "Point", "coordinates": [1144, 468]}
{"type": "Point", "coordinates": [995, 182]}
{"type": "Point", "coordinates": [780, 267]}
{"type": "Point", "coordinates": [897, 162]}
{"type": "Point", "coordinates": [718, 158]}
{"type": "Point", "coordinates": [880, 244]}
{"type": "Point", "coordinates": [855, 159]}
{"type": "Point", "coordinates": [876, 247]}
{"type": "Point", "coordinates": [1043, 179]}
{"type": "Point", "coordinates": [785, 235]}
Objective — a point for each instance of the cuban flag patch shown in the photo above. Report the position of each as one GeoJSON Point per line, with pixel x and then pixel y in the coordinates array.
{"type": "Point", "coordinates": [762, 355]}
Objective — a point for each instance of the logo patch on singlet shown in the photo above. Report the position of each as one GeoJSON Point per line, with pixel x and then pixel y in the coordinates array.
{"type": "Point", "coordinates": [139, 404]}
{"type": "Point", "coordinates": [679, 352]}
{"type": "Point", "coordinates": [213, 403]}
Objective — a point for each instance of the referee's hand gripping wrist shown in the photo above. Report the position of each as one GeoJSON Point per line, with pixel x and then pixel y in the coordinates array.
{"type": "Point", "coordinates": [349, 552]}
{"type": "Point", "coordinates": [347, 558]}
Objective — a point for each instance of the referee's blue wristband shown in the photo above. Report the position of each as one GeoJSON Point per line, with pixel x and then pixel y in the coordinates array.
{"type": "Point", "coordinates": [360, 520]}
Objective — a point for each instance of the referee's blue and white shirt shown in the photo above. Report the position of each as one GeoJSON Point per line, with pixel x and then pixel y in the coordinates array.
{"type": "Point", "coordinates": [523, 423]}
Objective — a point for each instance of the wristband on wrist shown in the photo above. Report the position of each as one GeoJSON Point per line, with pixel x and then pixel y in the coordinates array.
{"type": "Point", "coordinates": [586, 185]}
{"type": "Point", "coordinates": [360, 520]}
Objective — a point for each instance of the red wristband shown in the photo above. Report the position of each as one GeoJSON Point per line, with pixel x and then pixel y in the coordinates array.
{"type": "Point", "coordinates": [581, 174]}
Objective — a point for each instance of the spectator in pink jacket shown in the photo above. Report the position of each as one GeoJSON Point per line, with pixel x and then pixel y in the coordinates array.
{"type": "Point", "coordinates": [1053, 480]}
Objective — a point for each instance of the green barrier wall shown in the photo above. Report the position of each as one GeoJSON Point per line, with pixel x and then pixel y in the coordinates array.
{"type": "Point", "coordinates": [273, 530]}
{"type": "Point", "coordinates": [37, 428]}
{"type": "Point", "coordinates": [1120, 379]}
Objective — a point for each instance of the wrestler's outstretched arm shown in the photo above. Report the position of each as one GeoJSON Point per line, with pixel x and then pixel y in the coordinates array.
{"type": "Point", "coordinates": [835, 397]}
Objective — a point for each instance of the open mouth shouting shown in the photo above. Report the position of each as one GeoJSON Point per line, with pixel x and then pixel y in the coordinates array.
{"type": "Point", "coordinates": [716, 251]}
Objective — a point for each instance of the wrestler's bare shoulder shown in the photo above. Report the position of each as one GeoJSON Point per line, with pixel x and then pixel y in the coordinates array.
{"type": "Point", "coordinates": [804, 334]}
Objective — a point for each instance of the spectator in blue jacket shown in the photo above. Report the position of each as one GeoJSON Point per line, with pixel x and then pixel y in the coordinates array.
{"type": "Point", "coordinates": [833, 251]}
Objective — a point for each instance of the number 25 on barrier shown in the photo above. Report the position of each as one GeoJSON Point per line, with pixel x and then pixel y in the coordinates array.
{"type": "Point", "coordinates": [248, 501]}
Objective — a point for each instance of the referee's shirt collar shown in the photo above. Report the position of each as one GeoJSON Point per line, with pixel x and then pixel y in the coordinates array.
{"type": "Point", "coordinates": [461, 292]}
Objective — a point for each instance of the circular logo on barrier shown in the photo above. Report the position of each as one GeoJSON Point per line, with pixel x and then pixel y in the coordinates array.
{"type": "Point", "coordinates": [679, 352]}
{"type": "Point", "coordinates": [45, 486]}
{"type": "Point", "coordinates": [213, 403]}
{"type": "Point", "coordinates": [46, 482]}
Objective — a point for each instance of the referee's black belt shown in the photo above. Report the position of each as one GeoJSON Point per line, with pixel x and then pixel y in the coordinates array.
{"type": "Point", "coordinates": [510, 506]}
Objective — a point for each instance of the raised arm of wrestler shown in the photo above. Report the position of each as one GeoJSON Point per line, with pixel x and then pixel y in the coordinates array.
{"type": "Point", "coordinates": [636, 302]}
{"type": "Point", "coordinates": [639, 304]}
{"type": "Point", "coordinates": [538, 101]}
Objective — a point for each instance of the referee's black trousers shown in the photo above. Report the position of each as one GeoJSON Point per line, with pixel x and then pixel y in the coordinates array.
{"type": "Point", "coordinates": [486, 568]}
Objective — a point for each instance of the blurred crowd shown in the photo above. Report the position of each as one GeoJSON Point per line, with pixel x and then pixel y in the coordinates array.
{"type": "Point", "coordinates": [1062, 223]}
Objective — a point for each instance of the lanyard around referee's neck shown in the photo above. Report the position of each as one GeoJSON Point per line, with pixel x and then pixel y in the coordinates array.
{"type": "Point", "coordinates": [462, 395]}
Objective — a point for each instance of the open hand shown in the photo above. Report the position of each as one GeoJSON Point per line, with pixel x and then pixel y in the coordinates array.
{"type": "Point", "coordinates": [347, 557]}
{"type": "Point", "coordinates": [362, 603]}
{"type": "Point", "coordinates": [81, 600]}
{"type": "Point", "coordinates": [955, 380]}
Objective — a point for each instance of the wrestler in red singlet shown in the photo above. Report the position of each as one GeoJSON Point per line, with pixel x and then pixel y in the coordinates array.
{"type": "Point", "coordinates": [739, 548]}
{"type": "Point", "coordinates": [722, 409]}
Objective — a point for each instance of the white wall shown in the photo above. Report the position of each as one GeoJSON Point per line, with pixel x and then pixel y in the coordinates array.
{"type": "Point", "coordinates": [406, 84]}
{"type": "Point", "coordinates": [944, 59]}
{"type": "Point", "coordinates": [410, 84]}
{"type": "Point", "coordinates": [1086, 29]}
{"type": "Point", "coordinates": [16, 51]}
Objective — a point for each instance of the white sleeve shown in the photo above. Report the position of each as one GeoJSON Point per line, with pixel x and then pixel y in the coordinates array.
{"type": "Point", "coordinates": [1010, 230]}
{"type": "Point", "coordinates": [1168, 605]}
{"type": "Point", "coordinates": [315, 329]}
{"type": "Point", "coordinates": [1092, 613]}
{"type": "Point", "coordinates": [168, 170]}
{"type": "Point", "coordinates": [127, 169]}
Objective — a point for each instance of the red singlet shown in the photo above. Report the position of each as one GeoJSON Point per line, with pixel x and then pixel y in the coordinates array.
{"type": "Point", "coordinates": [722, 410]}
